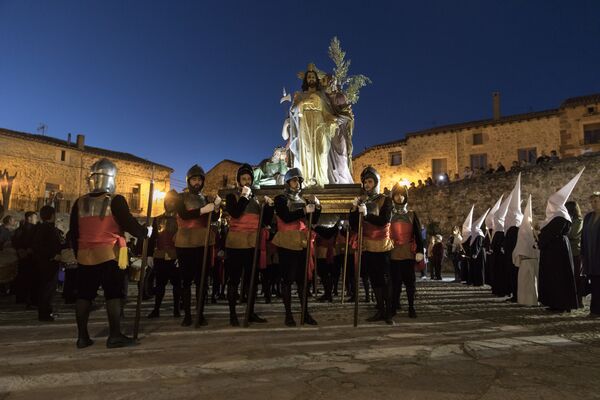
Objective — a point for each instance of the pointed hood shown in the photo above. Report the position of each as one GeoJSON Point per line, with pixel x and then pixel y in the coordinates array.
{"type": "Point", "coordinates": [476, 229]}
{"type": "Point", "coordinates": [489, 220]}
{"type": "Point", "coordinates": [500, 215]}
{"type": "Point", "coordinates": [556, 202]}
{"type": "Point", "coordinates": [514, 216]}
{"type": "Point", "coordinates": [467, 225]}
{"type": "Point", "coordinates": [526, 243]}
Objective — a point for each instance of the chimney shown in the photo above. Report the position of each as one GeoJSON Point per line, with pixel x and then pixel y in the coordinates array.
{"type": "Point", "coordinates": [81, 142]}
{"type": "Point", "coordinates": [496, 104]}
{"type": "Point", "coordinates": [68, 139]}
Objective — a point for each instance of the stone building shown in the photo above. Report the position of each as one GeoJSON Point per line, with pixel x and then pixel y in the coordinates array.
{"type": "Point", "coordinates": [221, 176]}
{"type": "Point", "coordinates": [571, 130]}
{"type": "Point", "coordinates": [54, 171]}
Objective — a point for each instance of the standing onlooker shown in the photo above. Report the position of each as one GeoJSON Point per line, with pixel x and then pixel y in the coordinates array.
{"type": "Point", "coordinates": [22, 242]}
{"type": "Point", "coordinates": [575, 240]}
{"type": "Point", "coordinates": [468, 173]}
{"type": "Point", "coordinates": [554, 156]}
{"type": "Point", "coordinates": [47, 245]}
{"type": "Point", "coordinates": [590, 252]}
{"type": "Point", "coordinates": [437, 256]}
{"type": "Point", "coordinates": [456, 252]}
{"type": "Point", "coordinates": [500, 167]}
{"type": "Point", "coordinates": [6, 230]}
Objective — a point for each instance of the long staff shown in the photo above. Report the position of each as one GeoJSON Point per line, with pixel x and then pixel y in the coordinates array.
{"type": "Point", "coordinates": [251, 294]}
{"type": "Point", "coordinates": [307, 265]}
{"type": "Point", "coordinates": [200, 291]}
{"type": "Point", "coordinates": [357, 271]}
{"type": "Point", "coordinates": [138, 307]}
{"type": "Point", "coordinates": [345, 262]}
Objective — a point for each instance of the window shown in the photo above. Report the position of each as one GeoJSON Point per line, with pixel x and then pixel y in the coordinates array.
{"type": "Point", "coordinates": [396, 158]}
{"type": "Point", "coordinates": [439, 166]}
{"type": "Point", "coordinates": [591, 134]}
{"type": "Point", "coordinates": [135, 197]}
{"type": "Point", "coordinates": [528, 155]}
{"type": "Point", "coordinates": [63, 155]}
{"type": "Point", "coordinates": [591, 109]}
{"type": "Point", "coordinates": [478, 161]}
{"type": "Point", "coordinates": [477, 138]}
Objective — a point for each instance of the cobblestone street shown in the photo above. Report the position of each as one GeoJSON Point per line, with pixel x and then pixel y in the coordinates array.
{"type": "Point", "coordinates": [465, 344]}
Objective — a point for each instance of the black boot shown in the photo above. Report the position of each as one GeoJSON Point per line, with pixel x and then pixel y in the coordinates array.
{"type": "Point", "coordinates": [116, 338]}
{"type": "Point", "coordinates": [286, 296]}
{"type": "Point", "coordinates": [366, 286]}
{"type": "Point", "coordinates": [380, 314]}
{"type": "Point", "coordinates": [232, 300]}
{"type": "Point", "coordinates": [387, 298]}
{"type": "Point", "coordinates": [186, 296]}
{"type": "Point", "coordinates": [410, 293]}
{"type": "Point", "coordinates": [157, 302]}
{"type": "Point", "coordinates": [176, 302]}
{"type": "Point", "coordinates": [82, 312]}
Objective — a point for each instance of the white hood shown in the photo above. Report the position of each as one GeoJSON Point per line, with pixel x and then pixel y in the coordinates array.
{"type": "Point", "coordinates": [514, 216]}
{"type": "Point", "coordinates": [489, 220]}
{"type": "Point", "coordinates": [466, 227]}
{"type": "Point", "coordinates": [526, 243]}
{"type": "Point", "coordinates": [476, 229]}
{"type": "Point", "coordinates": [556, 202]}
{"type": "Point", "coordinates": [500, 215]}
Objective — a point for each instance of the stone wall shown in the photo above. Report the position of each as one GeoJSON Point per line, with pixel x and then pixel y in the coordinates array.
{"type": "Point", "coordinates": [573, 119]}
{"type": "Point", "coordinates": [38, 164]}
{"type": "Point", "coordinates": [501, 142]}
{"type": "Point", "coordinates": [221, 176]}
{"type": "Point", "coordinates": [449, 205]}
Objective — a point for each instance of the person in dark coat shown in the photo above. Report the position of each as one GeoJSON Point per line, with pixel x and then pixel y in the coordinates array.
{"type": "Point", "coordinates": [47, 244]}
{"type": "Point", "coordinates": [556, 281]}
{"type": "Point", "coordinates": [590, 252]}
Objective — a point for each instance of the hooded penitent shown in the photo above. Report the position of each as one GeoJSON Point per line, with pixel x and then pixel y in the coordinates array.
{"type": "Point", "coordinates": [500, 215]}
{"type": "Point", "coordinates": [489, 220]}
{"type": "Point", "coordinates": [476, 228]}
{"type": "Point", "coordinates": [556, 202]}
{"type": "Point", "coordinates": [514, 216]}
{"type": "Point", "coordinates": [468, 224]}
{"type": "Point", "coordinates": [526, 243]}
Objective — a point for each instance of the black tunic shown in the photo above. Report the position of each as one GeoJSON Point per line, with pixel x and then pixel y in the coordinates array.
{"type": "Point", "coordinates": [477, 262]}
{"type": "Point", "coordinates": [556, 284]}
{"type": "Point", "coordinates": [511, 272]}
{"type": "Point", "coordinates": [496, 261]}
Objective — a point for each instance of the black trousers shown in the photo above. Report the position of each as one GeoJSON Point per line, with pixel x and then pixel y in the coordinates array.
{"type": "Point", "coordinates": [24, 283]}
{"type": "Point", "coordinates": [166, 271]}
{"type": "Point", "coordinates": [107, 274]}
{"type": "Point", "coordinates": [595, 303]}
{"type": "Point", "coordinates": [325, 271]}
{"type": "Point", "coordinates": [403, 272]}
{"type": "Point", "coordinates": [190, 263]}
{"type": "Point", "coordinates": [292, 265]}
{"type": "Point", "coordinates": [239, 261]}
{"type": "Point", "coordinates": [46, 287]}
{"type": "Point", "coordinates": [378, 268]}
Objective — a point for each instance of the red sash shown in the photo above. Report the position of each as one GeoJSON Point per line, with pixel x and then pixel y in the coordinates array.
{"type": "Point", "coordinates": [98, 232]}
{"type": "Point", "coordinates": [246, 223]}
{"type": "Point", "coordinates": [201, 222]}
{"type": "Point", "coordinates": [375, 232]}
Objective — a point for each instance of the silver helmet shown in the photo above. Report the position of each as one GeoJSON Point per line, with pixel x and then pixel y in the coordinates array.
{"type": "Point", "coordinates": [102, 177]}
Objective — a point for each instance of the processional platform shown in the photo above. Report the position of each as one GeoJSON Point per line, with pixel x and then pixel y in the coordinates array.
{"type": "Point", "coordinates": [335, 198]}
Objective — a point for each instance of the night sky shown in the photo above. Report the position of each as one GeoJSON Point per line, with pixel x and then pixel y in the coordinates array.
{"type": "Point", "coordinates": [184, 82]}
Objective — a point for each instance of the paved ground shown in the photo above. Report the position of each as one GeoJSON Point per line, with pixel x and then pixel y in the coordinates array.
{"type": "Point", "coordinates": [465, 344]}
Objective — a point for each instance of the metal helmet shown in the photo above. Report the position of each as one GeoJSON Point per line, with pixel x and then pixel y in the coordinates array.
{"type": "Point", "coordinates": [370, 172]}
{"type": "Point", "coordinates": [245, 169]}
{"type": "Point", "coordinates": [102, 176]}
{"type": "Point", "coordinates": [195, 170]}
{"type": "Point", "coordinates": [291, 174]}
{"type": "Point", "coordinates": [170, 200]}
{"type": "Point", "coordinates": [398, 188]}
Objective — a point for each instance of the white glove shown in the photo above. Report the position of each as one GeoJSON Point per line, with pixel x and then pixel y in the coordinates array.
{"type": "Point", "coordinates": [362, 209]}
{"type": "Point", "coordinates": [210, 207]}
{"type": "Point", "coordinates": [269, 201]}
{"type": "Point", "coordinates": [419, 257]}
{"type": "Point", "coordinates": [314, 199]}
{"type": "Point", "coordinates": [217, 201]}
{"type": "Point", "coordinates": [246, 192]}
{"type": "Point", "coordinates": [355, 201]}
{"type": "Point", "coordinates": [310, 208]}
{"type": "Point", "coordinates": [149, 232]}
{"type": "Point", "coordinates": [150, 262]}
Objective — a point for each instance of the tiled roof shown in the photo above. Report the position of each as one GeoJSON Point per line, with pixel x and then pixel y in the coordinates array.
{"type": "Point", "coordinates": [581, 100]}
{"type": "Point", "coordinates": [87, 149]}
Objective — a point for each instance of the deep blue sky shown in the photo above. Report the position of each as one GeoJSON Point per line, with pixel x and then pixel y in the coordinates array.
{"type": "Point", "coordinates": [184, 82]}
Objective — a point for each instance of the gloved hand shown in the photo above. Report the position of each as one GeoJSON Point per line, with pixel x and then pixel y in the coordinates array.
{"type": "Point", "coordinates": [268, 201]}
{"type": "Point", "coordinates": [314, 199]}
{"type": "Point", "coordinates": [246, 192]}
{"type": "Point", "coordinates": [150, 262]}
{"type": "Point", "coordinates": [310, 208]}
{"type": "Point", "coordinates": [217, 202]}
{"type": "Point", "coordinates": [149, 228]}
{"type": "Point", "coordinates": [362, 209]}
{"type": "Point", "coordinates": [419, 257]}
{"type": "Point", "coordinates": [355, 202]}
{"type": "Point", "coordinates": [210, 207]}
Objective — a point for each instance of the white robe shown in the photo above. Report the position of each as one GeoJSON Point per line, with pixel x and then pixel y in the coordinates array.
{"type": "Point", "coordinates": [527, 293]}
